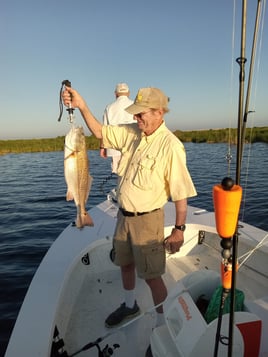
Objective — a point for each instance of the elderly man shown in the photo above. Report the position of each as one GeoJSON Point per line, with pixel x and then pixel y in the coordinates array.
{"type": "Point", "coordinates": [152, 170]}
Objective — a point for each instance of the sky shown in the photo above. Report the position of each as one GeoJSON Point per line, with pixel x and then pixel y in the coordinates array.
{"type": "Point", "coordinates": [186, 48]}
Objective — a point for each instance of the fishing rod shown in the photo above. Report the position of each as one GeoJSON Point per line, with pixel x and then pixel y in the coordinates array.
{"type": "Point", "coordinates": [241, 62]}
{"type": "Point", "coordinates": [252, 61]}
{"type": "Point", "coordinates": [241, 128]}
{"type": "Point", "coordinates": [227, 196]}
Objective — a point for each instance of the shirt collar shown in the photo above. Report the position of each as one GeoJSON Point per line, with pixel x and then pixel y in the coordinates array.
{"type": "Point", "coordinates": [149, 138]}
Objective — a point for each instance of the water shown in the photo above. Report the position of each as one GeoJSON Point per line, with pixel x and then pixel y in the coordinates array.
{"type": "Point", "coordinates": [33, 210]}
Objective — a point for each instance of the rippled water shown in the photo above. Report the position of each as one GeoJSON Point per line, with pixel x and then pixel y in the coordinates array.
{"type": "Point", "coordinates": [33, 210]}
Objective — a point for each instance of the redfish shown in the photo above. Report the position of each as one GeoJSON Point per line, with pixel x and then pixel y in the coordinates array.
{"type": "Point", "coordinates": [77, 176]}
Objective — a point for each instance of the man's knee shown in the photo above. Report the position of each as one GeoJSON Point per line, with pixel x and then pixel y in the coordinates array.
{"type": "Point", "coordinates": [153, 281]}
{"type": "Point", "coordinates": [128, 268]}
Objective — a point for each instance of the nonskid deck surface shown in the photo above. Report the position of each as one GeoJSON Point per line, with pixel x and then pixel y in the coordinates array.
{"type": "Point", "coordinates": [99, 296]}
{"type": "Point", "coordinates": [94, 304]}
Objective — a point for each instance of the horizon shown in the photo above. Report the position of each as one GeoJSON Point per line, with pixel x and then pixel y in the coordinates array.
{"type": "Point", "coordinates": [90, 134]}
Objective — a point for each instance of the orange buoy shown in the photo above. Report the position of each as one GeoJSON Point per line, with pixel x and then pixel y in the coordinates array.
{"type": "Point", "coordinates": [227, 198]}
{"type": "Point", "coordinates": [226, 275]}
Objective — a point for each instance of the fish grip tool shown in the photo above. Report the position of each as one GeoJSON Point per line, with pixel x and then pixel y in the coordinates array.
{"type": "Point", "coordinates": [70, 109]}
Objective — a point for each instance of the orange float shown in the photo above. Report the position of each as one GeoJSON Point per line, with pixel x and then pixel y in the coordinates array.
{"type": "Point", "coordinates": [226, 275]}
{"type": "Point", "coordinates": [227, 198]}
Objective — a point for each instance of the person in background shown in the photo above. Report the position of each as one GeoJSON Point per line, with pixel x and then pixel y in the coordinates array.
{"type": "Point", "coordinates": [115, 114]}
{"type": "Point", "coordinates": [152, 170]}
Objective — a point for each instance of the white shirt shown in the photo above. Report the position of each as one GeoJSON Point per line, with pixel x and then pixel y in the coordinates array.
{"type": "Point", "coordinates": [115, 114]}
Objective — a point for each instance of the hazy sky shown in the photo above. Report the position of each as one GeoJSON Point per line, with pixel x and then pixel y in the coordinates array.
{"type": "Point", "coordinates": [183, 47]}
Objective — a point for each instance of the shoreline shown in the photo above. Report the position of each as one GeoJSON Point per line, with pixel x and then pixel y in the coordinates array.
{"type": "Point", "coordinates": [211, 136]}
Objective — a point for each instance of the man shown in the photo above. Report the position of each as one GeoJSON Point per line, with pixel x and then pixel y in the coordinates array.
{"type": "Point", "coordinates": [152, 170]}
{"type": "Point", "coordinates": [115, 114]}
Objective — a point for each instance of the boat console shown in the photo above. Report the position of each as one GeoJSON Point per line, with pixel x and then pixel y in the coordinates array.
{"type": "Point", "coordinates": [186, 331]}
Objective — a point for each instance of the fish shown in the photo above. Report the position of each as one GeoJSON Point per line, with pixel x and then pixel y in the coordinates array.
{"type": "Point", "coordinates": [77, 175]}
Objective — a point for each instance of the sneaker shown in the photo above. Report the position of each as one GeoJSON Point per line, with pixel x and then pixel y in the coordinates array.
{"type": "Point", "coordinates": [149, 352]}
{"type": "Point", "coordinates": [121, 314]}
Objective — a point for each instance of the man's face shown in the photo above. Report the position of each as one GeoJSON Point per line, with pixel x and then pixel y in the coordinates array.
{"type": "Point", "coordinates": [148, 121]}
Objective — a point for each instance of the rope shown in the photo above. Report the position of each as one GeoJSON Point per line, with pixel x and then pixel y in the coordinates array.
{"type": "Point", "coordinates": [248, 254]}
{"type": "Point", "coordinates": [244, 257]}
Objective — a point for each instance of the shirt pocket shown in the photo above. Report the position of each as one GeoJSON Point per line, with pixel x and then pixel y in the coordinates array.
{"type": "Point", "coordinates": [154, 258]}
{"type": "Point", "coordinates": [143, 178]}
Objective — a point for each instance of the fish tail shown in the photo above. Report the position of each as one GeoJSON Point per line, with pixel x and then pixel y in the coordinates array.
{"type": "Point", "coordinates": [69, 196]}
{"type": "Point", "coordinates": [87, 220]}
{"type": "Point", "coordinates": [83, 219]}
{"type": "Point", "coordinates": [78, 222]}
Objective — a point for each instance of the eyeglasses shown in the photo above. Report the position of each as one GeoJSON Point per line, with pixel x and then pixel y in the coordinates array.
{"type": "Point", "coordinates": [140, 115]}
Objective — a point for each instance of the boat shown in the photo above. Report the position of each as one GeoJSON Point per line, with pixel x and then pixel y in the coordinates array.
{"type": "Point", "coordinates": [77, 285]}
{"type": "Point", "coordinates": [212, 309]}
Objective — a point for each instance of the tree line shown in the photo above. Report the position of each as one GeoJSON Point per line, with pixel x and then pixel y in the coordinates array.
{"type": "Point", "coordinates": [252, 135]}
{"type": "Point", "coordinates": [256, 134]}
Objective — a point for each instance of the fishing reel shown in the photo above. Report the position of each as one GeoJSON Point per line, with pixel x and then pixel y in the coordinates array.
{"type": "Point", "coordinates": [108, 351]}
{"type": "Point", "coordinates": [105, 352]}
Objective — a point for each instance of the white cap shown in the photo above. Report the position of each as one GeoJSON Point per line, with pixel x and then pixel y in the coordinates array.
{"type": "Point", "coordinates": [121, 88]}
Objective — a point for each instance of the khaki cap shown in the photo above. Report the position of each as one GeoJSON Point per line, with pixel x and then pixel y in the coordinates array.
{"type": "Point", "coordinates": [152, 98]}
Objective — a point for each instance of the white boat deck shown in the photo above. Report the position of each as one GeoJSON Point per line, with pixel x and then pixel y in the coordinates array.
{"type": "Point", "coordinates": [98, 299]}
{"type": "Point", "coordinates": [84, 286]}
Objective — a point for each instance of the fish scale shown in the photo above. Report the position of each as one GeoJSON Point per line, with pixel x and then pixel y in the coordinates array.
{"type": "Point", "coordinates": [77, 176]}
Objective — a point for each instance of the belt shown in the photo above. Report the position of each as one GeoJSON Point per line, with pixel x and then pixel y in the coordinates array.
{"type": "Point", "coordinates": [134, 214]}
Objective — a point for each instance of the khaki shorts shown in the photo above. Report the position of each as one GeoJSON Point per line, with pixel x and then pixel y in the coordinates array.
{"type": "Point", "coordinates": [139, 239]}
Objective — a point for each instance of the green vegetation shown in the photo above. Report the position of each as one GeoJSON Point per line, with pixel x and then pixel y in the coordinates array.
{"type": "Point", "coordinates": [41, 145]}
{"type": "Point", "coordinates": [257, 134]}
{"type": "Point", "coordinates": [253, 135]}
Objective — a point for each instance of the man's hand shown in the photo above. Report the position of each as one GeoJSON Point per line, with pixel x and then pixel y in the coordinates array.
{"type": "Point", "coordinates": [174, 242]}
{"type": "Point", "coordinates": [71, 96]}
{"type": "Point", "coordinates": [103, 153]}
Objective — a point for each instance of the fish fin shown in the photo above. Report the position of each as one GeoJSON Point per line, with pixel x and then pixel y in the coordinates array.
{"type": "Point", "coordinates": [69, 196]}
{"type": "Point", "coordinates": [90, 179]}
{"type": "Point", "coordinates": [87, 220]}
{"type": "Point", "coordinates": [83, 220]}
{"type": "Point", "coordinates": [78, 222]}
